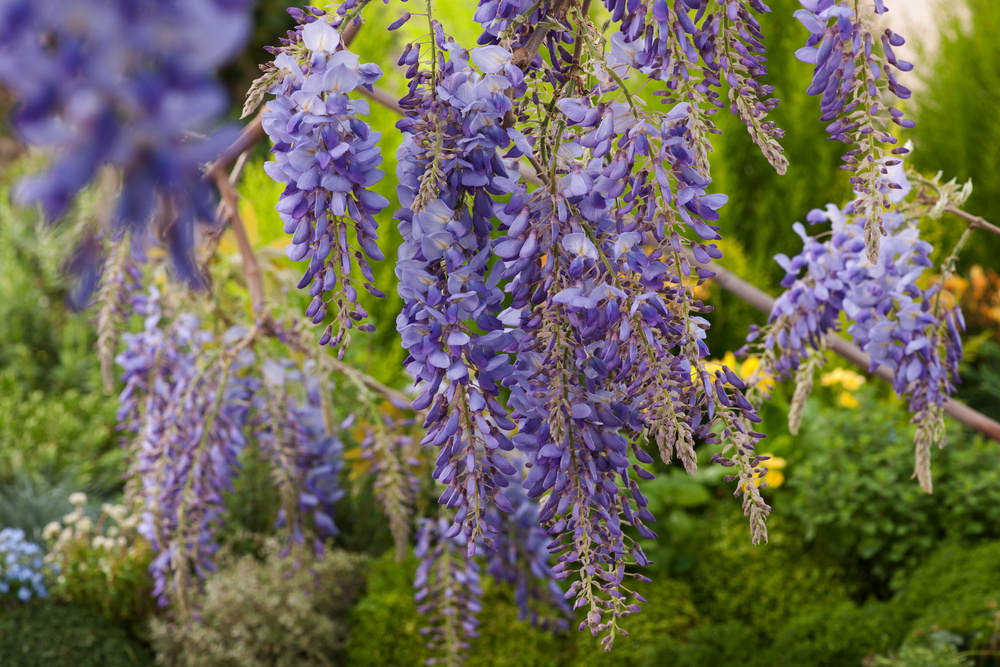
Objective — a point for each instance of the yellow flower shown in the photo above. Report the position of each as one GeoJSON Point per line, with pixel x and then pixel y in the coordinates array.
{"type": "Point", "coordinates": [847, 400]}
{"type": "Point", "coordinates": [774, 479]}
{"type": "Point", "coordinates": [749, 367]}
{"type": "Point", "coordinates": [846, 378]}
{"type": "Point", "coordinates": [775, 462]}
{"type": "Point", "coordinates": [744, 370]}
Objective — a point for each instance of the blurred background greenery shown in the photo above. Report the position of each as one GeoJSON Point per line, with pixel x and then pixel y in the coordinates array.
{"type": "Point", "coordinates": [862, 568]}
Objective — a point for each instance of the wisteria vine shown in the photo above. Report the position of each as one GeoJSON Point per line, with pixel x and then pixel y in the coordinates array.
{"type": "Point", "coordinates": [190, 401]}
{"type": "Point", "coordinates": [898, 323]}
{"type": "Point", "coordinates": [554, 231]}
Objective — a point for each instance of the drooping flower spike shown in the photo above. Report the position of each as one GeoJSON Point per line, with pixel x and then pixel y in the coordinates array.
{"type": "Point", "coordinates": [189, 403]}
{"type": "Point", "coordinates": [449, 170]}
{"type": "Point", "coordinates": [328, 157]}
{"type": "Point", "coordinates": [854, 62]}
{"type": "Point", "coordinates": [898, 323]}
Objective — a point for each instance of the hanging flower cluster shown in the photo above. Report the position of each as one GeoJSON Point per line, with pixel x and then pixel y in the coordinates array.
{"type": "Point", "coordinates": [522, 559]}
{"type": "Point", "coordinates": [448, 590]}
{"type": "Point", "coordinates": [554, 233]}
{"type": "Point", "coordinates": [899, 324]}
{"type": "Point", "coordinates": [389, 449]}
{"type": "Point", "coordinates": [853, 78]}
{"type": "Point", "coordinates": [130, 83]}
{"type": "Point", "coordinates": [328, 157]}
{"type": "Point", "coordinates": [190, 400]}
{"type": "Point", "coordinates": [449, 172]}
{"type": "Point", "coordinates": [690, 45]}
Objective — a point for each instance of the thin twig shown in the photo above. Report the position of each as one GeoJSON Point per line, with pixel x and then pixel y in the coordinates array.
{"type": "Point", "coordinates": [975, 222]}
{"type": "Point", "coordinates": [539, 176]}
{"type": "Point", "coordinates": [524, 55]}
{"type": "Point", "coordinates": [251, 269]}
{"type": "Point", "coordinates": [251, 135]}
{"type": "Point", "coordinates": [213, 236]}
{"type": "Point", "coordinates": [383, 97]}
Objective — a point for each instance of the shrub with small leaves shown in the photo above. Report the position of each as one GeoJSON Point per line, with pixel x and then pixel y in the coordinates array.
{"type": "Point", "coordinates": [48, 634]}
{"type": "Point", "coordinates": [957, 591]}
{"type": "Point", "coordinates": [937, 654]}
{"type": "Point", "coordinates": [103, 565]}
{"type": "Point", "coordinates": [787, 576]}
{"type": "Point", "coordinates": [847, 485]}
{"type": "Point", "coordinates": [22, 569]}
{"type": "Point", "coordinates": [287, 610]}
{"type": "Point", "coordinates": [837, 635]}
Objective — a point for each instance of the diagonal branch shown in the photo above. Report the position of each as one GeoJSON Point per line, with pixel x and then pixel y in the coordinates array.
{"type": "Point", "coordinates": [251, 269]}
{"type": "Point", "coordinates": [975, 222]}
{"type": "Point", "coordinates": [762, 301]}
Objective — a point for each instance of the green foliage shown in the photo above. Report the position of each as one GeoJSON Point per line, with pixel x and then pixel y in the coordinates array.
{"type": "Point", "coordinates": [52, 417]}
{"type": "Point", "coordinates": [279, 612]}
{"type": "Point", "coordinates": [938, 654]}
{"type": "Point", "coordinates": [388, 603]}
{"type": "Point", "coordinates": [731, 643]}
{"type": "Point", "coordinates": [832, 636]}
{"type": "Point", "coordinates": [734, 581]}
{"type": "Point", "coordinates": [666, 617]}
{"type": "Point", "coordinates": [506, 640]}
{"type": "Point", "coordinates": [44, 634]}
{"type": "Point", "coordinates": [957, 121]}
{"type": "Point", "coordinates": [59, 432]}
{"type": "Point", "coordinates": [957, 590]}
{"type": "Point", "coordinates": [849, 485]}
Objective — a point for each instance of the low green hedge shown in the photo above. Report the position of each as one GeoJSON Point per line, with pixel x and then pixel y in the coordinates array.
{"type": "Point", "coordinates": [45, 634]}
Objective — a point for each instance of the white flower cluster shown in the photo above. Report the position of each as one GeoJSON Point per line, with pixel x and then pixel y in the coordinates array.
{"type": "Point", "coordinates": [111, 535]}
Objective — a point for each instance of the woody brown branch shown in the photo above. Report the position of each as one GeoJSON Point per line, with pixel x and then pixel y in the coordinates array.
{"type": "Point", "coordinates": [845, 349]}
{"type": "Point", "coordinates": [975, 222]}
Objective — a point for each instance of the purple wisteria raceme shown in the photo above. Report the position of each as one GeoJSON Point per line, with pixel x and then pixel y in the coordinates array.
{"type": "Point", "coordinates": [609, 347]}
{"type": "Point", "coordinates": [328, 156]}
{"type": "Point", "coordinates": [449, 170]}
{"type": "Point", "coordinates": [899, 324]}
{"type": "Point", "coordinates": [692, 46]}
{"type": "Point", "coordinates": [448, 590]}
{"type": "Point", "coordinates": [306, 458]}
{"type": "Point", "coordinates": [128, 83]}
{"type": "Point", "coordinates": [522, 560]}
{"type": "Point", "coordinates": [190, 400]}
{"type": "Point", "coordinates": [689, 45]}
{"type": "Point", "coordinates": [853, 72]}
{"type": "Point", "coordinates": [187, 416]}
